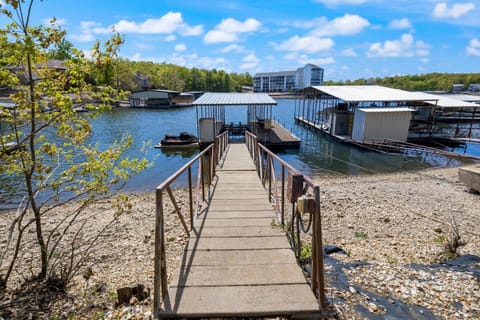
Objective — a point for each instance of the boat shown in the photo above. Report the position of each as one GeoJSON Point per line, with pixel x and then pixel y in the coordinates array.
{"type": "Point", "coordinates": [185, 139]}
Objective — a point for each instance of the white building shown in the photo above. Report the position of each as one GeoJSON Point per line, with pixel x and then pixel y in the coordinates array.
{"type": "Point", "coordinates": [309, 75]}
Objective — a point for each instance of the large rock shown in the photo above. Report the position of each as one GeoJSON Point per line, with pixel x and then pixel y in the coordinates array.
{"type": "Point", "coordinates": [138, 291]}
{"type": "Point", "coordinates": [470, 176]}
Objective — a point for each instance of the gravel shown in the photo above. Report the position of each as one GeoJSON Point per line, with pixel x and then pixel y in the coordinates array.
{"type": "Point", "coordinates": [392, 228]}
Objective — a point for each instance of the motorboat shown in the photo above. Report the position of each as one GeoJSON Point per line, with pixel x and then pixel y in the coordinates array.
{"type": "Point", "coordinates": [184, 139]}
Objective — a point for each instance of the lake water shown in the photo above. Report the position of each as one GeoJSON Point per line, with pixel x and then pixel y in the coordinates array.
{"type": "Point", "coordinates": [318, 154]}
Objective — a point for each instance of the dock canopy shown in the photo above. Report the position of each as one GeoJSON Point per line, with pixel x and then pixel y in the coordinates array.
{"type": "Point", "coordinates": [445, 101]}
{"type": "Point", "coordinates": [369, 93]}
{"type": "Point", "coordinates": [211, 113]}
{"type": "Point", "coordinates": [234, 99]}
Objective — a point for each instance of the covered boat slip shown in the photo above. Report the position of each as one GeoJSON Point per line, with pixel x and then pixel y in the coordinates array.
{"type": "Point", "coordinates": [383, 119]}
{"type": "Point", "coordinates": [211, 108]}
{"type": "Point", "coordinates": [341, 111]}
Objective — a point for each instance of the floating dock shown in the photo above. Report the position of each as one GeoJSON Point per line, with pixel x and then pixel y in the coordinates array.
{"type": "Point", "coordinates": [277, 137]}
{"type": "Point", "coordinates": [386, 145]}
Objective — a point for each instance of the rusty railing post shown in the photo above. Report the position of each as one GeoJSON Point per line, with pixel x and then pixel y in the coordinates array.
{"type": "Point", "coordinates": [283, 195]}
{"type": "Point", "coordinates": [160, 276]}
{"type": "Point", "coordinates": [318, 281]}
{"type": "Point", "coordinates": [269, 172]}
{"type": "Point", "coordinates": [190, 196]}
{"type": "Point", "coordinates": [202, 175]}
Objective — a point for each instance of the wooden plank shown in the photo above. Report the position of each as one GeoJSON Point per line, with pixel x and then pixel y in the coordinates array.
{"type": "Point", "coordinates": [241, 204]}
{"type": "Point", "coordinates": [245, 301]}
{"type": "Point", "coordinates": [254, 243]}
{"type": "Point", "coordinates": [240, 214]}
{"type": "Point", "coordinates": [252, 222]}
{"type": "Point", "coordinates": [223, 231]}
{"type": "Point", "coordinates": [238, 257]}
{"type": "Point", "coordinates": [243, 275]}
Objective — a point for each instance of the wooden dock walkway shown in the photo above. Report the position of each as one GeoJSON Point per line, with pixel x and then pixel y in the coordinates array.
{"type": "Point", "coordinates": [282, 136]}
{"type": "Point", "coordinates": [236, 263]}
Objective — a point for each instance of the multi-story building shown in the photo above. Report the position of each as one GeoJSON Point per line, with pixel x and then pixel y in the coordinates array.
{"type": "Point", "coordinates": [309, 75]}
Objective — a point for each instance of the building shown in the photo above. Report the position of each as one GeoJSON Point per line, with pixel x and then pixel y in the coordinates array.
{"type": "Point", "coordinates": [152, 98]}
{"type": "Point", "coordinates": [309, 75]}
{"type": "Point", "coordinates": [458, 87]}
{"type": "Point", "coordinates": [474, 87]}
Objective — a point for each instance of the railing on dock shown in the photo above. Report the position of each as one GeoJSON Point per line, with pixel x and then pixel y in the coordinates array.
{"type": "Point", "coordinates": [303, 195]}
{"type": "Point", "coordinates": [207, 161]}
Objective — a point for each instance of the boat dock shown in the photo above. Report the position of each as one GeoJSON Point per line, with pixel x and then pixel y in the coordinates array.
{"type": "Point", "coordinates": [385, 145]}
{"type": "Point", "coordinates": [236, 264]}
{"type": "Point", "coordinates": [276, 136]}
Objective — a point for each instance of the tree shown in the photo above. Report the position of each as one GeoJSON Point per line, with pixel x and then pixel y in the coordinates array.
{"type": "Point", "coordinates": [62, 51]}
{"type": "Point", "coordinates": [53, 164]}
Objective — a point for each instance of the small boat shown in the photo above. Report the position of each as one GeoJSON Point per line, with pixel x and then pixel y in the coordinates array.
{"type": "Point", "coordinates": [185, 139]}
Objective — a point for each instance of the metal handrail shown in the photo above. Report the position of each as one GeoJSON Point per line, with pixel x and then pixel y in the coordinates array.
{"type": "Point", "coordinates": [207, 160]}
{"type": "Point", "coordinates": [304, 196]}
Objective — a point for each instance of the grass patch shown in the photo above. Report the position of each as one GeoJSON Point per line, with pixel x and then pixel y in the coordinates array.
{"type": "Point", "coordinates": [361, 234]}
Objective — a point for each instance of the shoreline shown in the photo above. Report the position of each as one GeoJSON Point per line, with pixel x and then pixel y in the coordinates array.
{"type": "Point", "coordinates": [389, 221]}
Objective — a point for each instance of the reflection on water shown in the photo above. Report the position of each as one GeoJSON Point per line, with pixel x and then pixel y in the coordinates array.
{"type": "Point", "coordinates": [184, 152]}
{"type": "Point", "coordinates": [318, 155]}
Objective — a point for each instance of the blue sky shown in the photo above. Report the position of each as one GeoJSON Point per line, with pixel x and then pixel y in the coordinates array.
{"type": "Point", "coordinates": [350, 39]}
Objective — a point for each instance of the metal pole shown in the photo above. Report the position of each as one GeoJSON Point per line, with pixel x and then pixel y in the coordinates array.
{"type": "Point", "coordinates": [202, 175]}
{"type": "Point", "coordinates": [283, 195]}
{"type": "Point", "coordinates": [160, 265]}
{"type": "Point", "coordinates": [269, 172]}
{"type": "Point", "coordinates": [190, 196]}
{"type": "Point", "coordinates": [471, 123]}
{"type": "Point", "coordinates": [317, 262]}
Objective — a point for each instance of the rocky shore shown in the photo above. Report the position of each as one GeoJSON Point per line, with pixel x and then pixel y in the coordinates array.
{"type": "Point", "coordinates": [397, 225]}
{"type": "Point", "coordinates": [392, 228]}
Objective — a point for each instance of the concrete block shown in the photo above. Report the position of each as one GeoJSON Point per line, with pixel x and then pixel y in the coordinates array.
{"type": "Point", "coordinates": [470, 176]}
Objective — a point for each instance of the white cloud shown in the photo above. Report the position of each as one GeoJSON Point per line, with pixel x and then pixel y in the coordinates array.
{"type": "Point", "coordinates": [166, 24]}
{"type": "Point", "coordinates": [186, 30]}
{"type": "Point", "coordinates": [349, 24]}
{"type": "Point", "coordinates": [403, 23]}
{"type": "Point", "coordinates": [233, 48]}
{"type": "Point", "coordinates": [170, 38]}
{"type": "Point", "coordinates": [187, 60]}
{"type": "Point", "coordinates": [215, 36]}
{"type": "Point", "coordinates": [422, 49]}
{"type": "Point", "coordinates": [306, 44]}
{"type": "Point", "coordinates": [334, 3]}
{"type": "Point", "coordinates": [250, 61]}
{"type": "Point", "coordinates": [456, 11]}
{"type": "Point", "coordinates": [404, 47]}
{"type": "Point", "coordinates": [302, 59]}
{"type": "Point", "coordinates": [230, 29]}
{"type": "Point", "coordinates": [180, 47]}
{"type": "Point", "coordinates": [83, 37]}
{"type": "Point", "coordinates": [349, 52]}
{"type": "Point", "coordinates": [86, 34]}
{"type": "Point", "coordinates": [473, 48]}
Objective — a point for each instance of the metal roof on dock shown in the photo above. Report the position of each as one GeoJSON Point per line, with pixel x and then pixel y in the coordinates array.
{"type": "Point", "coordinates": [233, 99]}
{"type": "Point", "coordinates": [445, 101]}
{"type": "Point", "coordinates": [371, 93]}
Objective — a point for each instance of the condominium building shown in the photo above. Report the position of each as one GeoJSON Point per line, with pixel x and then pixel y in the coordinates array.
{"type": "Point", "coordinates": [309, 75]}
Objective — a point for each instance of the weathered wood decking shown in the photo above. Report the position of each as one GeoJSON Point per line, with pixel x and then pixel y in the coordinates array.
{"type": "Point", "coordinates": [236, 264]}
